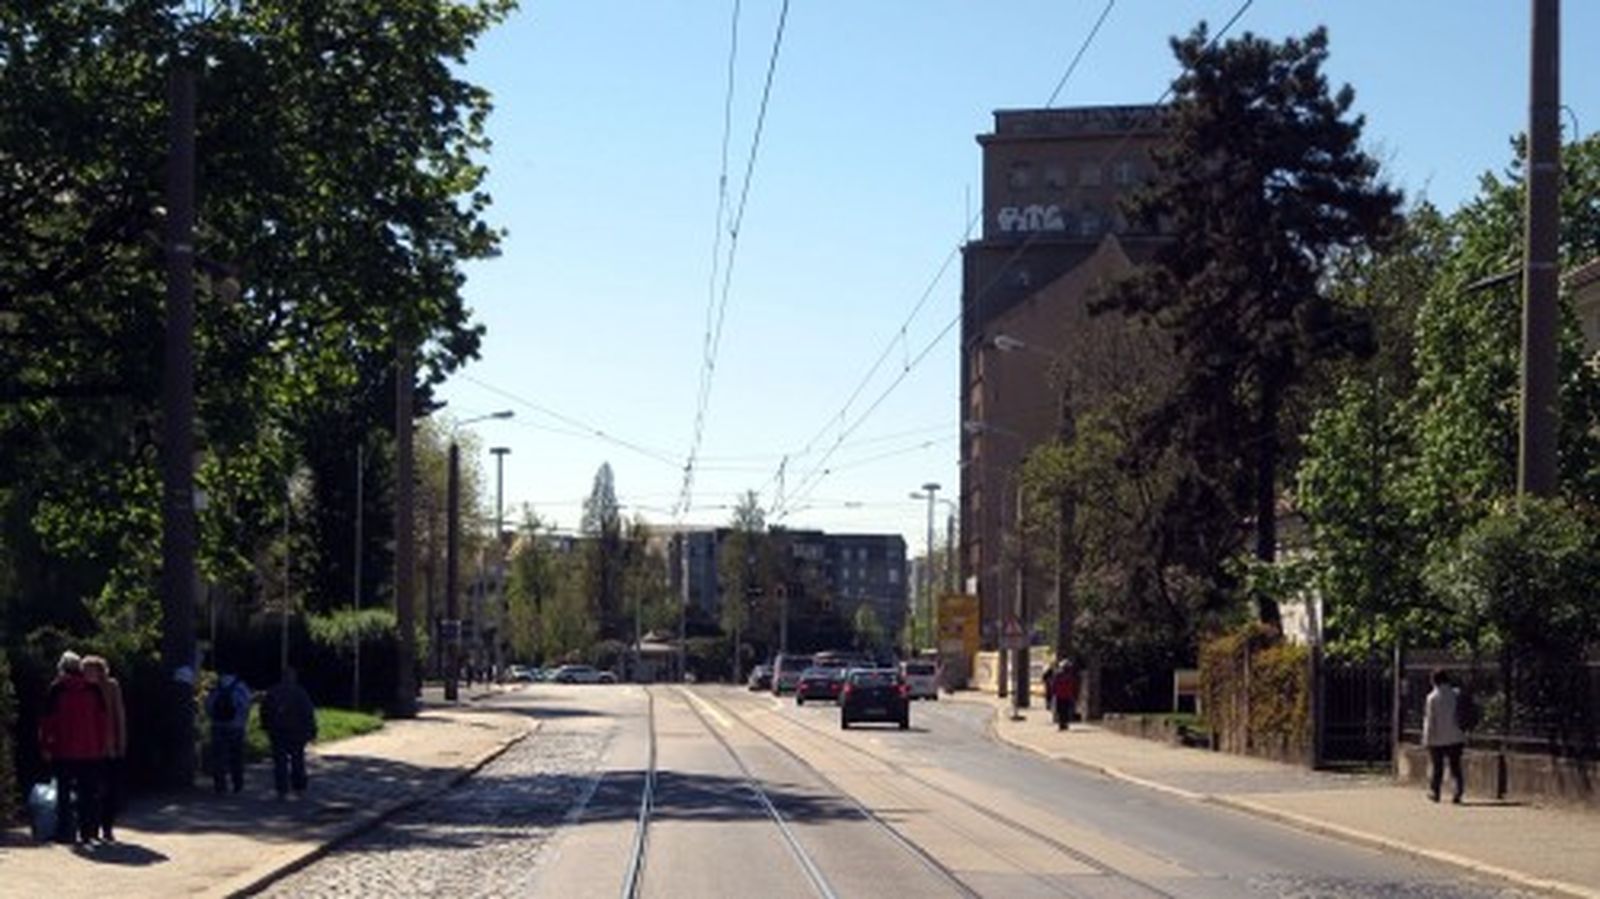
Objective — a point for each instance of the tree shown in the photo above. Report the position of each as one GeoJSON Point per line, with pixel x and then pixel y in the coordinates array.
{"type": "Point", "coordinates": [1261, 186]}
{"type": "Point", "coordinates": [535, 574]}
{"type": "Point", "coordinates": [868, 630]}
{"type": "Point", "coordinates": [746, 574]}
{"type": "Point", "coordinates": [603, 555]}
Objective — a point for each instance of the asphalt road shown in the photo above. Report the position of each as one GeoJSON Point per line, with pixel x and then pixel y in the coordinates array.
{"type": "Point", "coordinates": [750, 796]}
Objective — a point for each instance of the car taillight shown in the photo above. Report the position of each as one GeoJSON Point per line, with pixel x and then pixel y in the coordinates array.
{"type": "Point", "coordinates": [905, 690]}
{"type": "Point", "coordinates": [846, 691]}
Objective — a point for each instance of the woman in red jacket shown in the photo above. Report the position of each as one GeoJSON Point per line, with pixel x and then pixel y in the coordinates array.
{"type": "Point", "coordinates": [1065, 689]}
{"type": "Point", "coordinates": [72, 738]}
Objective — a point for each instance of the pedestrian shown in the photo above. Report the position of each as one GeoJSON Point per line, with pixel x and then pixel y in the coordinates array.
{"type": "Point", "coordinates": [291, 722]}
{"type": "Point", "coordinates": [1442, 734]}
{"type": "Point", "coordinates": [1065, 688]}
{"type": "Point", "coordinates": [72, 738]}
{"type": "Point", "coordinates": [229, 709]}
{"type": "Point", "coordinates": [98, 672]}
{"type": "Point", "coordinates": [1048, 678]}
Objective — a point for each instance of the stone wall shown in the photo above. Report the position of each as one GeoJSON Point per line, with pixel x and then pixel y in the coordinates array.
{"type": "Point", "coordinates": [1564, 780]}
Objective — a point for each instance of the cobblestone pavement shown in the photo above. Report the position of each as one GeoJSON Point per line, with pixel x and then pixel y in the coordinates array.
{"type": "Point", "coordinates": [1285, 886]}
{"type": "Point", "coordinates": [483, 838]}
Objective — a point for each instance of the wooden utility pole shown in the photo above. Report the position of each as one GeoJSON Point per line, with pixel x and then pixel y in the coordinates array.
{"type": "Point", "coordinates": [1536, 458]}
{"type": "Point", "coordinates": [405, 537]}
{"type": "Point", "coordinates": [177, 445]}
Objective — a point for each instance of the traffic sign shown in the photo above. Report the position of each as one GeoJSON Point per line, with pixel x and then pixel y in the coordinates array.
{"type": "Point", "coordinates": [1012, 636]}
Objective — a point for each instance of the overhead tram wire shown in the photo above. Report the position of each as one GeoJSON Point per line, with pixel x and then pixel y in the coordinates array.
{"type": "Point", "coordinates": [900, 335]}
{"type": "Point", "coordinates": [585, 428]}
{"type": "Point", "coordinates": [735, 229]}
{"type": "Point", "coordinates": [716, 244]}
{"type": "Point", "coordinates": [812, 477]}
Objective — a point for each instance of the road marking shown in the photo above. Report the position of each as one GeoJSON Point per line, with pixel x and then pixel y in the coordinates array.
{"type": "Point", "coordinates": [706, 707]}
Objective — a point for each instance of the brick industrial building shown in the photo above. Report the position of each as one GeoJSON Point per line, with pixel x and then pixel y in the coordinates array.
{"type": "Point", "coordinates": [1052, 231]}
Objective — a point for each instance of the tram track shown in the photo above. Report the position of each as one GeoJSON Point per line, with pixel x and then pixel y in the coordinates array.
{"type": "Point", "coordinates": [984, 811]}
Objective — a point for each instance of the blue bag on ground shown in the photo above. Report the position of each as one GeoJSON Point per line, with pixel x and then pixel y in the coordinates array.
{"type": "Point", "coordinates": [42, 810]}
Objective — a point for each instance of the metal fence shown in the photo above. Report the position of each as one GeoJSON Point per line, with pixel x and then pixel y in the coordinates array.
{"type": "Point", "coordinates": [1526, 704]}
{"type": "Point", "coordinates": [1356, 712]}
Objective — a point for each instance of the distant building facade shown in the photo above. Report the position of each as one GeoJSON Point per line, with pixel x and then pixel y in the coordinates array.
{"type": "Point", "coordinates": [851, 569]}
{"type": "Point", "coordinates": [1053, 231]}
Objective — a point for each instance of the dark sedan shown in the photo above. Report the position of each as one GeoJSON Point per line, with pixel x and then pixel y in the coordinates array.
{"type": "Point", "coordinates": [875, 694]}
{"type": "Point", "coordinates": [760, 678]}
{"type": "Point", "coordinates": [819, 683]}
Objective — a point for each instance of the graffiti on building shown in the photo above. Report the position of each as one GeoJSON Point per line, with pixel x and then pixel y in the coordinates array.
{"type": "Point", "coordinates": [1031, 218]}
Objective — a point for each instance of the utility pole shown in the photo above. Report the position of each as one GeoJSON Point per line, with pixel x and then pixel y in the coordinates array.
{"type": "Point", "coordinates": [355, 600]}
{"type": "Point", "coordinates": [1536, 458]}
{"type": "Point", "coordinates": [1020, 698]}
{"type": "Point", "coordinates": [452, 564]}
{"type": "Point", "coordinates": [683, 608]}
{"type": "Point", "coordinates": [502, 545]}
{"type": "Point", "coordinates": [949, 553]}
{"type": "Point", "coordinates": [405, 537]}
{"type": "Point", "coordinates": [500, 453]}
{"type": "Point", "coordinates": [931, 489]}
{"type": "Point", "coordinates": [1067, 511]}
{"type": "Point", "coordinates": [283, 619]}
{"type": "Point", "coordinates": [177, 404]}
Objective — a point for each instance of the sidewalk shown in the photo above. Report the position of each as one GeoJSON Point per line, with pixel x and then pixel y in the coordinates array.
{"type": "Point", "coordinates": [1544, 848]}
{"type": "Point", "coordinates": [203, 844]}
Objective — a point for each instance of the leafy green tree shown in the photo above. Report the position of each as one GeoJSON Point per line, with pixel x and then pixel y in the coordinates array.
{"type": "Point", "coordinates": [747, 576]}
{"type": "Point", "coordinates": [302, 107]}
{"type": "Point", "coordinates": [567, 630]}
{"type": "Point", "coordinates": [535, 574]}
{"type": "Point", "coordinates": [604, 555]}
{"type": "Point", "coordinates": [869, 634]}
{"type": "Point", "coordinates": [1262, 185]}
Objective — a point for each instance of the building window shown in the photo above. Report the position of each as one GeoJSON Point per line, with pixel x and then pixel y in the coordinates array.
{"type": "Point", "coordinates": [1055, 176]}
{"type": "Point", "coordinates": [1089, 223]}
{"type": "Point", "coordinates": [1020, 176]}
{"type": "Point", "coordinates": [861, 574]}
{"type": "Point", "coordinates": [1089, 174]}
{"type": "Point", "coordinates": [894, 575]}
{"type": "Point", "coordinates": [1124, 173]}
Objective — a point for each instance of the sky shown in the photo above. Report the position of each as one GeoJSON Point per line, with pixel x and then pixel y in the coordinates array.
{"type": "Point", "coordinates": [608, 152]}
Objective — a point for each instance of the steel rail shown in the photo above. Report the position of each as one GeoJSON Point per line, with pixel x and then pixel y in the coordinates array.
{"type": "Point", "coordinates": [819, 882]}
{"type": "Point", "coordinates": [937, 867]}
{"type": "Point", "coordinates": [983, 810]}
{"type": "Point", "coordinates": [634, 878]}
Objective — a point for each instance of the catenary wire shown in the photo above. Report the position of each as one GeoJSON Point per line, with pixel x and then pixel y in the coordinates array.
{"type": "Point", "coordinates": [736, 226]}
{"type": "Point", "coordinates": [814, 476]}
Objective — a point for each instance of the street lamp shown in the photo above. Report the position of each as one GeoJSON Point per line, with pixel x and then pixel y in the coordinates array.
{"type": "Point", "coordinates": [1020, 698]}
{"type": "Point", "coordinates": [452, 624]}
{"type": "Point", "coordinates": [929, 492]}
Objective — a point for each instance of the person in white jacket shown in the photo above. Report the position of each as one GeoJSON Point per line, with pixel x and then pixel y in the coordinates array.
{"type": "Point", "coordinates": [1442, 734]}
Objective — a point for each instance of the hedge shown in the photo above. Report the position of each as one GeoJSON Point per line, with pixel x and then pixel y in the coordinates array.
{"type": "Point", "coordinates": [1256, 693]}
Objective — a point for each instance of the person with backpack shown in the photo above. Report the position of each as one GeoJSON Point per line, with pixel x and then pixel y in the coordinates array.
{"type": "Point", "coordinates": [291, 722]}
{"type": "Point", "coordinates": [72, 739]}
{"type": "Point", "coordinates": [228, 706]}
{"type": "Point", "coordinates": [1442, 733]}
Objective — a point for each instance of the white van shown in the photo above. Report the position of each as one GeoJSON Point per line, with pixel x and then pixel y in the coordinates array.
{"type": "Point", "coordinates": [922, 678]}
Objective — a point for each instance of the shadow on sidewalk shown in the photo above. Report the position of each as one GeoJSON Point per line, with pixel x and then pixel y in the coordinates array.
{"type": "Point", "coordinates": [120, 853]}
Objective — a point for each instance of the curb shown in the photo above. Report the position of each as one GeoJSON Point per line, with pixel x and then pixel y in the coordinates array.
{"type": "Point", "coordinates": [265, 874]}
{"type": "Point", "coordinates": [1300, 822]}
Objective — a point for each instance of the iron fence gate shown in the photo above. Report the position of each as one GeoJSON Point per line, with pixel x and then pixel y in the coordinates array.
{"type": "Point", "coordinates": [1356, 702]}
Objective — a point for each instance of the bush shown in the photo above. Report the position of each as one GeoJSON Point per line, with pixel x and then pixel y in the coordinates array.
{"type": "Point", "coordinates": [1256, 693]}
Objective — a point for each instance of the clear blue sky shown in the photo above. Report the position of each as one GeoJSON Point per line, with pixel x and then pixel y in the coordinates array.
{"type": "Point", "coordinates": [607, 148]}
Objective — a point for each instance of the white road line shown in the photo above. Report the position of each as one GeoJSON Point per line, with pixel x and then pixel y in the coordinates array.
{"type": "Point", "coordinates": [722, 720]}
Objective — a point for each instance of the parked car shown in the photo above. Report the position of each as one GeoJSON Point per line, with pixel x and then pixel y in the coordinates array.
{"type": "Point", "coordinates": [922, 678]}
{"type": "Point", "coordinates": [819, 683]}
{"type": "Point", "coordinates": [607, 677]}
{"type": "Point", "coordinates": [786, 671]}
{"type": "Point", "coordinates": [521, 674]}
{"type": "Point", "coordinates": [760, 678]}
{"type": "Point", "coordinates": [580, 674]}
{"type": "Point", "coordinates": [875, 694]}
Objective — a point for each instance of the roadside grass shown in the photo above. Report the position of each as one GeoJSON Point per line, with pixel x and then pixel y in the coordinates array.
{"type": "Point", "coordinates": [332, 725]}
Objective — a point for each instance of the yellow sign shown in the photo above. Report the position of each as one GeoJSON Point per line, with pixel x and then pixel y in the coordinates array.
{"type": "Point", "coordinates": [958, 624]}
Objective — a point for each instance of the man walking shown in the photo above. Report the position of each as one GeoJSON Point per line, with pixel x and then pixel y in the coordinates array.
{"type": "Point", "coordinates": [291, 722]}
{"type": "Point", "coordinates": [229, 709]}
{"type": "Point", "coordinates": [1442, 734]}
